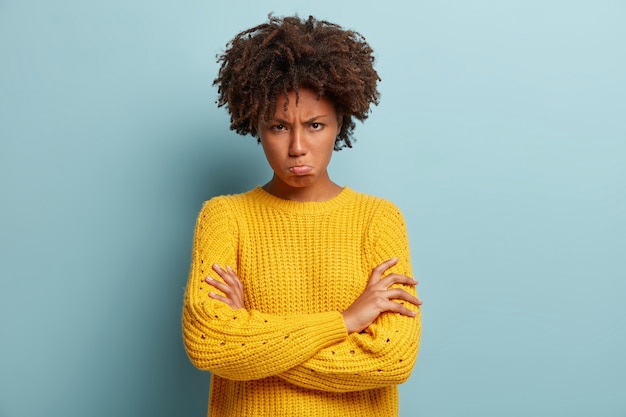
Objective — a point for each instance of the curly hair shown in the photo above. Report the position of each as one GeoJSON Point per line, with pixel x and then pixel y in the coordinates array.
{"type": "Point", "coordinates": [287, 53]}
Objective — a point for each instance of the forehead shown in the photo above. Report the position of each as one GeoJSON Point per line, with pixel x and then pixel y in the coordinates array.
{"type": "Point", "coordinates": [304, 101]}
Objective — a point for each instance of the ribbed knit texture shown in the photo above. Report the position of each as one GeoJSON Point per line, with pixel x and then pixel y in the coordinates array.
{"type": "Point", "coordinates": [288, 352]}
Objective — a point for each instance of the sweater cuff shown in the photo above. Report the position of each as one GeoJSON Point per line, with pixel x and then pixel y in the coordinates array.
{"type": "Point", "coordinates": [327, 329]}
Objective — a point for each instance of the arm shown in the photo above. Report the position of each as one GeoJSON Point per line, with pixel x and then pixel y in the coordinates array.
{"type": "Point", "coordinates": [242, 344]}
{"type": "Point", "coordinates": [385, 352]}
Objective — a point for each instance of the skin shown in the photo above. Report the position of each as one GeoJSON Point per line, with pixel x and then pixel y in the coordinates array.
{"type": "Point", "coordinates": [298, 142]}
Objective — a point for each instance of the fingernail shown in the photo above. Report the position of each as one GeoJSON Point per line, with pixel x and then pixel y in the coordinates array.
{"type": "Point", "coordinates": [208, 279]}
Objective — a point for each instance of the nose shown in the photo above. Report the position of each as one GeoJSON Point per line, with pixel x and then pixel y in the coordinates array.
{"type": "Point", "coordinates": [297, 145]}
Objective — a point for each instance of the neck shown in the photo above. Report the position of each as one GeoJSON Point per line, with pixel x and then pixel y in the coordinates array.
{"type": "Point", "coordinates": [319, 193]}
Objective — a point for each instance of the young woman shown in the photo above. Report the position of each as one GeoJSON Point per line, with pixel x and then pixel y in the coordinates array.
{"type": "Point", "coordinates": [300, 299]}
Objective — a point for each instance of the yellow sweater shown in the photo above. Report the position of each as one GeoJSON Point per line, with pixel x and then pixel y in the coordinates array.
{"type": "Point", "coordinates": [288, 352]}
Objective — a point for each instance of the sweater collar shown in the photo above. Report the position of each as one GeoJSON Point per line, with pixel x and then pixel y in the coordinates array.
{"type": "Point", "coordinates": [298, 207]}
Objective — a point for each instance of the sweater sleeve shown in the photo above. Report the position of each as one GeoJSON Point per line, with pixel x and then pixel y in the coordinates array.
{"type": "Point", "coordinates": [383, 354]}
{"type": "Point", "coordinates": [242, 344]}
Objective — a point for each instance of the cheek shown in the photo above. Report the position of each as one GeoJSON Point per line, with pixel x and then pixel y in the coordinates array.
{"type": "Point", "coordinates": [331, 142]}
{"type": "Point", "coordinates": [271, 153]}
{"type": "Point", "coordinates": [326, 152]}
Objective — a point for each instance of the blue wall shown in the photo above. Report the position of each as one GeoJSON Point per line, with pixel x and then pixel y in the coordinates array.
{"type": "Point", "coordinates": [501, 134]}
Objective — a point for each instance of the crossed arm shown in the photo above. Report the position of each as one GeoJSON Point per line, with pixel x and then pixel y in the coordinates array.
{"type": "Point", "coordinates": [371, 343]}
{"type": "Point", "coordinates": [370, 334]}
{"type": "Point", "coordinates": [377, 298]}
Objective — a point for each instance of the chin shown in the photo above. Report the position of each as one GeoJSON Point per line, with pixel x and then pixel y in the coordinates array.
{"type": "Point", "coordinates": [301, 182]}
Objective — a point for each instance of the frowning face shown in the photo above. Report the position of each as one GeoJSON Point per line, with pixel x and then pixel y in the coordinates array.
{"type": "Point", "coordinates": [298, 142]}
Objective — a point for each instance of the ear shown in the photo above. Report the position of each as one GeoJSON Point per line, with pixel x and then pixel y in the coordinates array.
{"type": "Point", "coordinates": [339, 123]}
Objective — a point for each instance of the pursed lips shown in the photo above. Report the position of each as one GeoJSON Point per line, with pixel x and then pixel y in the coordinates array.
{"type": "Point", "coordinates": [300, 169]}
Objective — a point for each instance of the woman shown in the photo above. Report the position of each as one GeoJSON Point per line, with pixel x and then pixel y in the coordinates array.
{"type": "Point", "coordinates": [300, 299]}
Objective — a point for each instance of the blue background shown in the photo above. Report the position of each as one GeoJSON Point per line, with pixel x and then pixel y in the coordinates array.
{"type": "Point", "coordinates": [501, 134]}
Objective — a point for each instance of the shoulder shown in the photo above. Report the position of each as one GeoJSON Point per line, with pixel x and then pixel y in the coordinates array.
{"type": "Point", "coordinates": [382, 215]}
{"type": "Point", "coordinates": [231, 201]}
{"type": "Point", "coordinates": [224, 210]}
{"type": "Point", "coordinates": [376, 205]}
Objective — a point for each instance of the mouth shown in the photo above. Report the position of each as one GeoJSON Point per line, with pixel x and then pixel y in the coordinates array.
{"type": "Point", "coordinates": [301, 169]}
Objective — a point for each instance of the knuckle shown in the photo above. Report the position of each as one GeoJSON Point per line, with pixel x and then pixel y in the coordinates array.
{"type": "Point", "coordinates": [397, 292]}
{"type": "Point", "coordinates": [378, 302]}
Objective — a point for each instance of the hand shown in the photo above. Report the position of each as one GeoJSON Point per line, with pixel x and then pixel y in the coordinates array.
{"type": "Point", "coordinates": [377, 298]}
{"type": "Point", "coordinates": [231, 287]}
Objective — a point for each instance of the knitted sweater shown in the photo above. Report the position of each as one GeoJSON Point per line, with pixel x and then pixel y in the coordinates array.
{"type": "Point", "coordinates": [288, 352]}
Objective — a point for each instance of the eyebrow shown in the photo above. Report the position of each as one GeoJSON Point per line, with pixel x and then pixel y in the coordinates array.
{"type": "Point", "coordinates": [285, 122]}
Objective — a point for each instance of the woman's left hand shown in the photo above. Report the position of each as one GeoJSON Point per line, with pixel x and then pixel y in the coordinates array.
{"type": "Point", "coordinates": [231, 287]}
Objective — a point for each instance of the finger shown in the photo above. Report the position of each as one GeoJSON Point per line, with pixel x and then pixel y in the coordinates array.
{"type": "Point", "coordinates": [400, 294]}
{"type": "Point", "coordinates": [222, 273]}
{"type": "Point", "coordinates": [227, 274]}
{"type": "Point", "coordinates": [379, 270]}
{"type": "Point", "coordinates": [225, 288]}
{"type": "Point", "coordinates": [224, 300]}
{"type": "Point", "coordinates": [234, 277]}
{"type": "Point", "coordinates": [392, 279]}
{"type": "Point", "coordinates": [400, 309]}
{"type": "Point", "coordinates": [234, 287]}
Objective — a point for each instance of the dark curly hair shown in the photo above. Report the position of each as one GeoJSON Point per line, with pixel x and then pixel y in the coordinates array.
{"type": "Point", "coordinates": [287, 53]}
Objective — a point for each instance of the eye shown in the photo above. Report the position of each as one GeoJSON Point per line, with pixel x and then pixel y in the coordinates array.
{"type": "Point", "coordinates": [278, 128]}
{"type": "Point", "coordinates": [316, 126]}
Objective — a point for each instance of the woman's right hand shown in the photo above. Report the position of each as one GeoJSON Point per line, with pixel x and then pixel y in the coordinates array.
{"type": "Point", "coordinates": [378, 298]}
{"type": "Point", "coordinates": [231, 287]}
